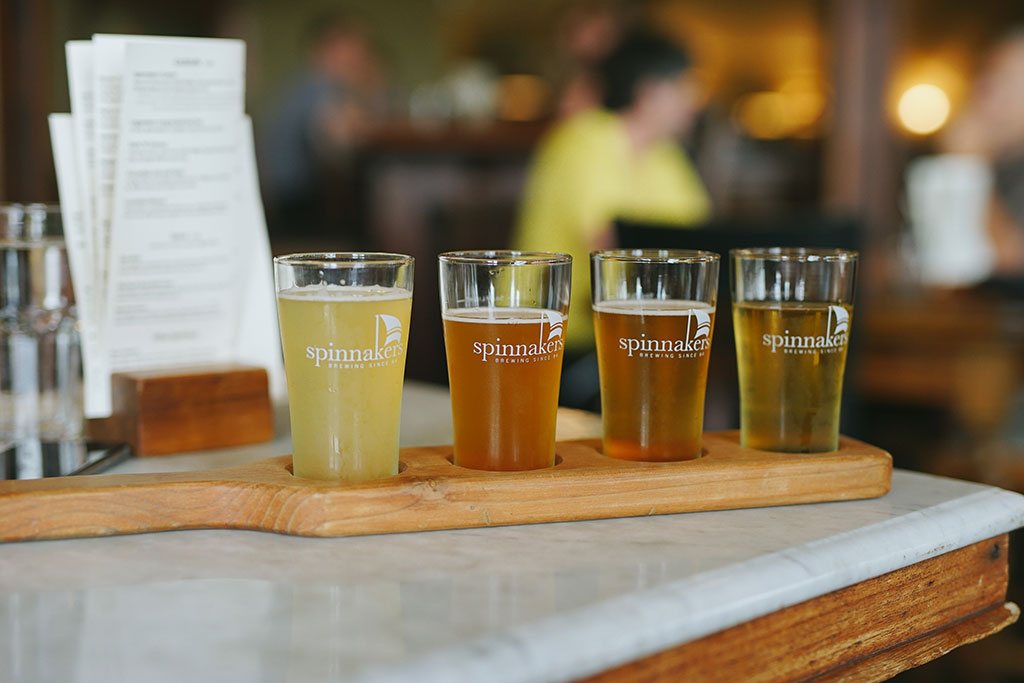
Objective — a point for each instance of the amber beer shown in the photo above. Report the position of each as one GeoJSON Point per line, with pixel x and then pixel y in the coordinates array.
{"type": "Point", "coordinates": [654, 314]}
{"type": "Point", "coordinates": [791, 357]}
{"type": "Point", "coordinates": [653, 359]}
{"type": "Point", "coordinates": [503, 367]}
{"type": "Point", "coordinates": [504, 316]}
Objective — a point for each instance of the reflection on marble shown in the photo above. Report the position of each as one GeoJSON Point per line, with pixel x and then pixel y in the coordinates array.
{"type": "Point", "coordinates": [532, 603]}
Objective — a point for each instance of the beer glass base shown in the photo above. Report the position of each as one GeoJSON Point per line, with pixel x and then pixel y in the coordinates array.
{"type": "Point", "coordinates": [625, 450]}
{"type": "Point", "coordinates": [503, 465]}
{"type": "Point", "coordinates": [346, 477]}
{"type": "Point", "coordinates": [776, 447]}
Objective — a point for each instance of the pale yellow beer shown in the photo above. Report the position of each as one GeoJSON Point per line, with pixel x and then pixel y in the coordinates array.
{"type": "Point", "coordinates": [503, 368]}
{"type": "Point", "coordinates": [653, 360]}
{"type": "Point", "coordinates": [791, 357]}
{"type": "Point", "coordinates": [344, 353]}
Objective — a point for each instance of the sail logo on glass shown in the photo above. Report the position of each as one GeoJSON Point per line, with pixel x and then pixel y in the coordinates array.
{"type": "Point", "coordinates": [550, 340]}
{"type": "Point", "coordinates": [387, 348]}
{"type": "Point", "coordinates": [837, 333]}
{"type": "Point", "coordinates": [695, 343]}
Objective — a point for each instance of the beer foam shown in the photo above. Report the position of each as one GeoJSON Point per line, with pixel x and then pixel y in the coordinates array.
{"type": "Point", "coordinates": [791, 306]}
{"type": "Point", "coordinates": [653, 307]}
{"type": "Point", "coordinates": [336, 293]}
{"type": "Point", "coordinates": [502, 316]}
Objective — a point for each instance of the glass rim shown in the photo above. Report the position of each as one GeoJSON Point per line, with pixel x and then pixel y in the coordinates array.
{"type": "Point", "coordinates": [343, 259]}
{"type": "Point", "coordinates": [796, 254]}
{"type": "Point", "coordinates": [659, 256]}
{"type": "Point", "coordinates": [50, 207]}
{"type": "Point", "coordinates": [31, 223]}
{"type": "Point", "coordinates": [505, 257]}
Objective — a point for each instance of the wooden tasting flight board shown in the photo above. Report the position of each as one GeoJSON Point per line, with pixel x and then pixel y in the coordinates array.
{"type": "Point", "coordinates": [431, 493]}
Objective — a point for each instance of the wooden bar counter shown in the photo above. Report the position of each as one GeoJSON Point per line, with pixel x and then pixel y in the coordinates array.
{"type": "Point", "coordinates": [854, 590]}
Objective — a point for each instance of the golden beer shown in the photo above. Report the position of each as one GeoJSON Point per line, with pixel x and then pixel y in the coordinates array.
{"type": "Point", "coordinates": [653, 359]}
{"type": "Point", "coordinates": [791, 357]}
{"type": "Point", "coordinates": [344, 353]}
{"type": "Point", "coordinates": [503, 368]}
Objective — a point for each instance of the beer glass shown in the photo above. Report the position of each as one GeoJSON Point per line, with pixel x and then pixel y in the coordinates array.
{"type": "Point", "coordinates": [654, 313]}
{"type": "Point", "coordinates": [792, 310]}
{"type": "Point", "coordinates": [40, 344]}
{"type": "Point", "coordinates": [344, 329]}
{"type": "Point", "coordinates": [504, 316]}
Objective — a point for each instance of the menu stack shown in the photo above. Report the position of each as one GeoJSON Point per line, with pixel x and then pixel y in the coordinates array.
{"type": "Point", "coordinates": [161, 209]}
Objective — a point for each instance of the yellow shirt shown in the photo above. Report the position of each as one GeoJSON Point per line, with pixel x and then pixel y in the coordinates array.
{"type": "Point", "coordinates": [584, 176]}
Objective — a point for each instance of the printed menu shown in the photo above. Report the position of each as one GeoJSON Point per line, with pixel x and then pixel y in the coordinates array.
{"type": "Point", "coordinates": [166, 236]}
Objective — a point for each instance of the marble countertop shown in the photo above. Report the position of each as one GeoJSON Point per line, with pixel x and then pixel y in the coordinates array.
{"type": "Point", "coordinates": [532, 603]}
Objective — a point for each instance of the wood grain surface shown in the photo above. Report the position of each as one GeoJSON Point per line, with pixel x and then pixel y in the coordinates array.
{"type": "Point", "coordinates": [164, 412]}
{"type": "Point", "coordinates": [432, 493]}
{"type": "Point", "coordinates": [867, 632]}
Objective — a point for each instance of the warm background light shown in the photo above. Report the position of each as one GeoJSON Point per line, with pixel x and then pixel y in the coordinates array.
{"type": "Point", "coordinates": [522, 97]}
{"type": "Point", "coordinates": [923, 108]}
{"type": "Point", "coordinates": [791, 111]}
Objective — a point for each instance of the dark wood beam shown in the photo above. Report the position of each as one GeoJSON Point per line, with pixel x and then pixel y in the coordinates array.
{"type": "Point", "coordinates": [26, 67]}
{"type": "Point", "coordinates": [862, 154]}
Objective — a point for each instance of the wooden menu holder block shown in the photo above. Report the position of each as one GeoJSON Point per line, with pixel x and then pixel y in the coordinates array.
{"type": "Point", "coordinates": [159, 412]}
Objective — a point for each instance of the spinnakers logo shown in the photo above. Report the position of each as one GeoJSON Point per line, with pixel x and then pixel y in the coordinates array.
{"type": "Point", "coordinates": [839, 320]}
{"type": "Point", "coordinates": [837, 333]}
{"type": "Point", "coordinates": [695, 343]}
{"type": "Point", "coordinates": [549, 342]}
{"type": "Point", "coordinates": [387, 348]}
{"type": "Point", "coordinates": [556, 326]}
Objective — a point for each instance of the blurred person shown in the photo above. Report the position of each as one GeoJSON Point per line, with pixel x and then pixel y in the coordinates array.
{"type": "Point", "coordinates": [587, 32]}
{"type": "Point", "coordinates": [991, 126]}
{"type": "Point", "coordinates": [621, 160]}
{"type": "Point", "coordinates": [326, 111]}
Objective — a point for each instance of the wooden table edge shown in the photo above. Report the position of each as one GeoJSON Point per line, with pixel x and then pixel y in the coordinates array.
{"type": "Point", "coordinates": [887, 663]}
{"type": "Point", "coordinates": [869, 631]}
